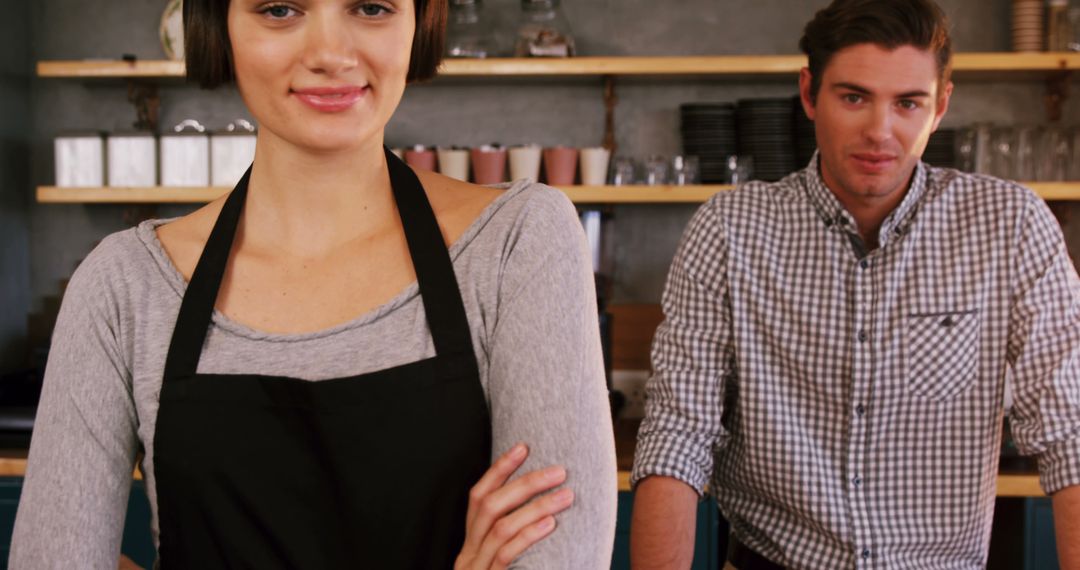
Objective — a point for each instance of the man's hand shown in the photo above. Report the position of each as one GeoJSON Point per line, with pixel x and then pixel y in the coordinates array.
{"type": "Point", "coordinates": [663, 524]}
{"type": "Point", "coordinates": [1067, 526]}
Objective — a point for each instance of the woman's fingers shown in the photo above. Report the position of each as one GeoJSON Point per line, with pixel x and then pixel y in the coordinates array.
{"type": "Point", "coordinates": [513, 533]}
{"type": "Point", "coordinates": [528, 536]}
{"type": "Point", "coordinates": [510, 496]}
{"type": "Point", "coordinates": [494, 478]}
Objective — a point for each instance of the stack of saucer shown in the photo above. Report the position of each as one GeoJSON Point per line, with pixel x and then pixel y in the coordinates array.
{"type": "Point", "coordinates": [708, 132]}
{"type": "Point", "coordinates": [805, 139]}
{"type": "Point", "coordinates": [1028, 30]}
{"type": "Point", "coordinates": [766, 134]}
{"type": "Point", "coordinates": [941, 150]}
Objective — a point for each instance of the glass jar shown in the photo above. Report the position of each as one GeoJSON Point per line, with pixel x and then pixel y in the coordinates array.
{"type": "Point", "coordinates": [543, 30]}
{"type": "Point", "coordinates": [466, 33]}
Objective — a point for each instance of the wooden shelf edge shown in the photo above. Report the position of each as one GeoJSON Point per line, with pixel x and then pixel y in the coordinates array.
{"type": "Point", "coordinates": [642, 194]}
{"type": "Point", "coordinates": [1056, 191]}
{"type": "Point", "coordinates": [577, 194]}
{"type": "Point", "coordinates": [1052, 191]}
{"type": "Point", "coordinates": [720, 65]}
{"type": "Point", "coordinates": [112, 68]}
{"type": "Point", "coordinates": [1019, 486]}
{"type": "Point", "coordinates": [156, 195]}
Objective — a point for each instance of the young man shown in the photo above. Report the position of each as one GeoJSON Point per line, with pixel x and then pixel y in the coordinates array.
{"type": "Point", "coordinates": [836, 345]}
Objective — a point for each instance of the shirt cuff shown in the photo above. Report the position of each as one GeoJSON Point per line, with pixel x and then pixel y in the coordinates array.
{"type": "Point", "coordinates": [675, 456]}
{"type": "Point", "coordinates": [1059, 466]}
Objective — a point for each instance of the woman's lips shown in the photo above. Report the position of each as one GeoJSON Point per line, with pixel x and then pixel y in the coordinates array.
{"type": "Point", "coordinates": [330, 99]}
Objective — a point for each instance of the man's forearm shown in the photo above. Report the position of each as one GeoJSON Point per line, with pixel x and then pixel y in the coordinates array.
{"type": "Point", "coordinates": [663, 523]}
{"type": "Point", "coordinates": [1067, 526]}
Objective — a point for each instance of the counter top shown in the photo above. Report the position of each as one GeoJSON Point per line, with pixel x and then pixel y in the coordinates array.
{"type": "Point", "coordinates": [13, 464]}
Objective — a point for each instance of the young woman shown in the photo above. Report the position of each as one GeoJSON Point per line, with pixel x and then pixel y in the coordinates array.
{"type": "Point", "coordinates": [319, 367]}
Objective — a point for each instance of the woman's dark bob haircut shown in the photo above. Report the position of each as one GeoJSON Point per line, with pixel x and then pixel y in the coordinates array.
{"type": "Point", "coordinates": [209, 53]}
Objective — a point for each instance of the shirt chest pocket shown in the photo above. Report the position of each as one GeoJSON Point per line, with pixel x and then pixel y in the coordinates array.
{"type": "Point", "coordinates": [942, 353]}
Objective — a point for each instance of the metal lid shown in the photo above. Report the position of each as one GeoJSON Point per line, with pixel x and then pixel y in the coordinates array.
{"type": "Point", "coordinates": [239, 127]}
{"type": "Point", "coordinates": [187, 127]}
{"type": "Point", "coordinates": [457, 3]}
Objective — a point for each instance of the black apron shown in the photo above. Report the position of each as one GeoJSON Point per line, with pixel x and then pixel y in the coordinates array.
{"type": "Point", "coordinates": [369, 471]}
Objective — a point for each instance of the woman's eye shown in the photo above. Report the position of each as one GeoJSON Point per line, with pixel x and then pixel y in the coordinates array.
{"type": "Point", "coordinates": [372, 10]}
{"type": "Point", "coordinates": [278, 11]}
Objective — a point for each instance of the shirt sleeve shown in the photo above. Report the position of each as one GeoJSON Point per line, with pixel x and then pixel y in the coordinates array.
{"type": "Point", "coordinates": [82, 453]}
{"type": "Point", "coordinates": [691, 356]}
{"type": "Point", "coordinates": [1044, 350]}
{"type": "Point", "coordinates": [546, 378]}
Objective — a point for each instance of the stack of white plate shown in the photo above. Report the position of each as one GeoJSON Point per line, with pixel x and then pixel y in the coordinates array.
{"type": "Point", "coordinates": [1029, 32]}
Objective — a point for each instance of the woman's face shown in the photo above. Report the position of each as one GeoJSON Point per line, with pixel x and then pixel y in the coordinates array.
{"type": "Point", "coordinates": [324, 75]}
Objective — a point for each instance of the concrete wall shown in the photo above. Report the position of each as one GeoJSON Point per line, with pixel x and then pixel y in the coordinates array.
{"type": "Point", "coordinates": [568, 111]}
{"type": "Point", "coordinates": [15, 69]}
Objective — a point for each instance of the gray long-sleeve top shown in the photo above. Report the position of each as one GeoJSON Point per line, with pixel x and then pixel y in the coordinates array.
{"type": "Point", "coordinates": [528, 291]}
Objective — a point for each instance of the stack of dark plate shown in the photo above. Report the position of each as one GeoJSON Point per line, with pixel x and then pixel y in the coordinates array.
{"type": "Point", "coordinates": [708, 132]}
{"type": "Point", "coordinates": [805, 139]}
{"type": "Point", "coordinates": [941, 150]}
{"type": "Point", "coordinates": [765, 133]}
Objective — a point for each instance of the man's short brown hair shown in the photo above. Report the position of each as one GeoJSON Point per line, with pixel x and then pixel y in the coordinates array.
{"type": "Point", "coordinates": [887, 23]}
{"type": "Point", "coordinates": [209, 53]}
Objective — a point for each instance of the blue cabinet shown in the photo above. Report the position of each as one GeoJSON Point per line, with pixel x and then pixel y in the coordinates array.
{"type": "Point", "coordinates": [1023, 535]}
{"type": "Point", "coordinates": [138, 544]}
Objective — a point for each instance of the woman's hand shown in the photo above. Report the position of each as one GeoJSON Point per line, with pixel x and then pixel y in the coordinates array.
{"type": "Point", "coordinates": [498, 528]}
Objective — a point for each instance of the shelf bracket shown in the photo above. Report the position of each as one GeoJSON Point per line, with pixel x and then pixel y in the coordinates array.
{"type": "Point", "coordinates": [147, 105]}
{"type": "Point", "coordinates": [610, 100]}
{"type": "Point", "coordinates": [1057, 91]}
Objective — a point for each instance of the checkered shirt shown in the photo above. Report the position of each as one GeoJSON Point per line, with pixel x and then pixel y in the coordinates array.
{"type": "Point", "coordinates": [845, 406]}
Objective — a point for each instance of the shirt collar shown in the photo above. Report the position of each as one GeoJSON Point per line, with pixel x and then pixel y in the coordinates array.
{"type": "Point", "coordinates": [836, 217]}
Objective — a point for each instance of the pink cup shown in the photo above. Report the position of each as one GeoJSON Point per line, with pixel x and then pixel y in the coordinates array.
{"type": "Point", "coordinates": [421, 158]}
{"type": "Point", "coordinates": [489, 164]}
{"type": "Point", "coordinates": [560, 165]}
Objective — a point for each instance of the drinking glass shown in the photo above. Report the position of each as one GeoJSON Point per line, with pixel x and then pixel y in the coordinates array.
{"type": "Point", "coordinates": [656, 170]}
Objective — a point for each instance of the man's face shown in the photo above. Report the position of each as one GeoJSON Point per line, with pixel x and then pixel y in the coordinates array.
{"type": "Point", "coordinates": [873, 115]}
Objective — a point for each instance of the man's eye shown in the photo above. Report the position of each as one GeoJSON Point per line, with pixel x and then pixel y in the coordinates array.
{"type": "Point", "coordinates": [852, 98]}
{"type": "Point", "coordinates": [909, 105]}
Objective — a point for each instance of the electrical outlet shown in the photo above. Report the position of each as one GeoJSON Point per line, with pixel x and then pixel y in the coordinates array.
{"type": "Point", "coordinates": [632, 385]}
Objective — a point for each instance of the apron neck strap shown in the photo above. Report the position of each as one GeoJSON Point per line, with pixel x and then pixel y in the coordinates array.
{"type": "Point", "coordinates": [438, 285]}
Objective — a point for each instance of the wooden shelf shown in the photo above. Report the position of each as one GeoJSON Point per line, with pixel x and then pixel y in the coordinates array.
{"type": "Point", "coordinates": [91, 69]}
{"type": "Point", "coordinates": [991, 64]}
{"type": "Point", "coordinates": [642, 194]}
{"type": "Point", "coordinates": [155, 195]}
{"type": "Point", "coordinates": [1067, 191]}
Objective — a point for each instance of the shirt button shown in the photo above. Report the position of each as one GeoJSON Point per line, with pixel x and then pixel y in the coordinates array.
{"type": "Point", "coordinates": [866, 553]}
{"type": "Point", "coordinates": [863, 336]}
{"type": "Point", "coordinates": [860, 410]}
{"type": "Point", "coordinates": [864, 264]}
{"type": "Point", "coordinates": [856, 481]}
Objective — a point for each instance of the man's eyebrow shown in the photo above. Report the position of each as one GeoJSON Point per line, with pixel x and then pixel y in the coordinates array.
{"type": "Point", "coordinates": [864, 91]}
{"type": "Point", "coordinates": [851, 87]}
